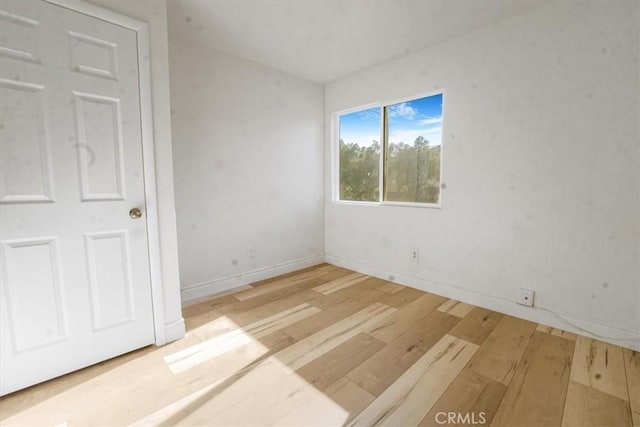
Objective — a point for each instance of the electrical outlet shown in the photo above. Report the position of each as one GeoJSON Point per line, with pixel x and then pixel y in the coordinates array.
{"type": "Point", "coordinates": [415, 255]}
{"type": "Point", "coordinates": [526, 297]}
{"type": "Point", "coordinates": [251, 252]}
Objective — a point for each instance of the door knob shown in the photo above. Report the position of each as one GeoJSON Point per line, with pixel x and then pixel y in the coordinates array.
{"type": "Point", "coordinates": [135, 213]}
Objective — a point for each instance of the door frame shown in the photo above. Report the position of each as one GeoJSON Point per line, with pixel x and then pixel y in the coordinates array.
{"type": "Point", "coordinates": [148, 148]}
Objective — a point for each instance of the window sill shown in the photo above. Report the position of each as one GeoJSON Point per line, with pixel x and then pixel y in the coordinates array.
{"type": "Point", "coordinates": [355, 203]}
{"type": "Point", "coordinates": [391, 204]}
{"type": "Point", "coordinates": [414, 205]}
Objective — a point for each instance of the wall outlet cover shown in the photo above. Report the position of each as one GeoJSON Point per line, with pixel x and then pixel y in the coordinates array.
{"type": "Point", "coordinates": [526, 297]}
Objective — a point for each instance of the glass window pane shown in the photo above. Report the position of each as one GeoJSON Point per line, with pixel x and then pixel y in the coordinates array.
{"type": "Point", "coordinates": [412, 158]}
{"type": "Point", "coordinates": [360, 155]}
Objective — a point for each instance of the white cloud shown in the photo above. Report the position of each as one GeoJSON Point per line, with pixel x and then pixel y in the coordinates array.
{"type": "Point", "coordinates": [371, 113]}
{"type": "Point", "coordinates": [408, 136]}
{"type": "Point", "coordinates": [431, 121]}
{"type": "Point", "coordinates": [402, 110]}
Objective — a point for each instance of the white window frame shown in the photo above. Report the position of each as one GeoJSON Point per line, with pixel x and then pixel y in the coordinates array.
{"type": "Point", "coordinates": [335, 152]}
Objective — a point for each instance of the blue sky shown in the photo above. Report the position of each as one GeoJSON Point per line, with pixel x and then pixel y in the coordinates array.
{"type": "Point", "coordinates": [407, 121]}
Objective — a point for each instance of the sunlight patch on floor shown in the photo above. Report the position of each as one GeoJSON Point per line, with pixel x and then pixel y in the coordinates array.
{"type": "Point", "coordinates": [96, 389]}
{"type": "Point", "coordinates": [269, 393]}
{"type": "Point", "coordinates": [207, 350]}
{"type": "Point", "coordinates": [278, 321]}
{"type": "Point", "coordinates": [228, 336]}
{"type": "Point", "coordinates": [213, 328]}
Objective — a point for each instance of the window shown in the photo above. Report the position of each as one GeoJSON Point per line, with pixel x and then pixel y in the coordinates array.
{"type": "Point", "coordinates": [409, 155]}
{"type": "Point", "coordinates": [360, 156]}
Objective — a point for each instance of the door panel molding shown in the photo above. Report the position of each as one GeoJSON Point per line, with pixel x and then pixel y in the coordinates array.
{"type": "Point", "coordinates": [109, 49]}
{"type": "Point", "coordinates": [101, 289]}
{"type": "Point", "coordinates": [85, 159]}
{"type": "Point", "coordinates": [39, 139]}
{"type": "Point", "coordinates": [42, 255]}
{"type": "Point", "coordinates": [148, 151]}
{"type": "Point", "coordinates": [25, 24]}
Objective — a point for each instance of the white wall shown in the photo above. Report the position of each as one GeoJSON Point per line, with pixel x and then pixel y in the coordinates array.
{"type": "Point", "coordinates": [541, 165]}
{"type": "Point", "coordinates": [248, 152]}
{"type": "Point", "coordinates": [154, 12]}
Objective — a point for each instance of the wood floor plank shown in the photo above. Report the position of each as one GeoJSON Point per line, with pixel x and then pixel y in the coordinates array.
{"type": "Point", "coordinates": [455, 308]}
{"type": "Point", "coordinates": [193, 322]}
{"type": "Point", "coordinates": [404, 297]}
{"type": "Point", "coordinates": [389, 287]}
{"type": "Point", "coordinates": [281, 283]}
{"type": "Point", "coordinates": [535, 397]}
{"type": "Point", "coordinates": [632, 367]}
{"type": "Point", "coordinates": [499, 355]}
{"type": "Point", "coordinates": [314, 346]}
{"type": "Point", "coordinates": [335, 274]}
{"type": "Point", "coordinates": [266, 310]}
{"type": "Point", "coordinates": [236, 361]}
{"type": "Point", "coordinates": [313, 410]}
{"type": "Point", "coordinates": [224, 336]}
{"type": "Point", "coordinates": [46, 403]}
{"type": "Point", "coordinates": [279, 320]}
{"type": "Point", "coordinates": [349, 396]}
{"type": "Point", "coordinates": [556, 332]}
{"type": "Point", "coordinates": [333, 313]}
{"type": "Point", "coordinates": [250, 398]}
{"type": "Point", "coordinates": [252, 303]}
{"type": "Point", "coordinates": [588, 407]}
{"type": "Point", "coordinates": [601, 366]}
{"type": "Point", "coordinates": [384, 367]}
{"type": "Point", "coordinates": [210, 298]}
{"type": "Point", "coordinates": [205, 306]}
{"type": "Point", "coordinates": [335, 364]}
{"type": "Point", "coordinates": [276, 341]}
{"type": "Point", "coordinates": [474, 396]}
{"type": "Point", "coordinates": [325, 268]}
{"type": "Point", "coordinates": [264, 326]}
{"type": "Point", "coordinates": [412, 395]}
{"type": "Point", "coordinates": [341, 283]}
{"type": "Point", "coordinates": [351, 293]}
{"type": "Point", "coordinates": [477, 325]}
{"type": "Point", "coordinates": [210, 326]}
{"type": "Point", "coordinates": [209, 350]}
{"type": "Point", "coordinates": [132, 391]}
{"type": "Point", "coordinates": [395, 325]}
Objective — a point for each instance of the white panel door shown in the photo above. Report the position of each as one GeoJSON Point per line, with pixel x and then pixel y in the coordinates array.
{"type": "Point", "coordinates": [75, 285]}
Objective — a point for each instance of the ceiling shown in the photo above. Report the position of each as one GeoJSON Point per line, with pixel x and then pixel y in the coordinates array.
{"type": "Point", "coordinates": [323, 40]}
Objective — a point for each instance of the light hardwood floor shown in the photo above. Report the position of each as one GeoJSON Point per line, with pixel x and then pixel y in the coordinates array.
{"type": "Point", "coordinates": [327, 346]}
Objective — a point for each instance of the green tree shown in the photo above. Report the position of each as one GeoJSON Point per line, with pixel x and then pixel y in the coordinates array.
{"type": "Point", "coordinates": [412, 172]}
{"type": "Point", "coordinates": [359, 179]}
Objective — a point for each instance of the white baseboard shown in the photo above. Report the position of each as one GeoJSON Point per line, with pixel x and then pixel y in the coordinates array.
{"type": "Point", "coordinates": [620, 337]}
{"type": "Point", "coordinates": [217, 286]}
{"type": "Point", "coordinates": [174, 330]}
